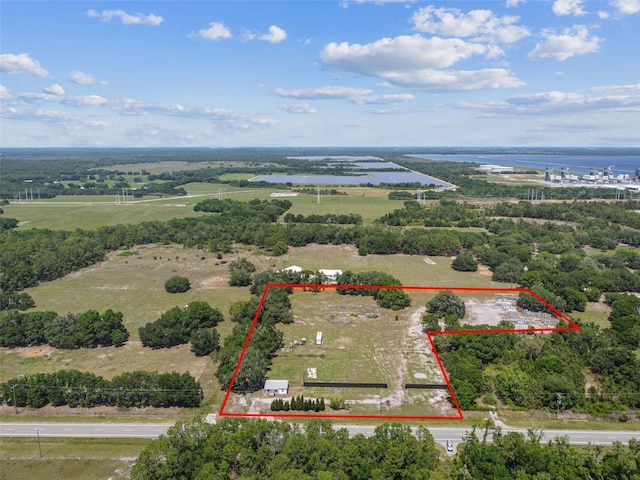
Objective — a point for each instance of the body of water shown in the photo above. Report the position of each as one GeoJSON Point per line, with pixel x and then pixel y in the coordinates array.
{"type": "Point", "coordinates": [576, 163]}
{"type": "Point", "coordinates": [374, 178]}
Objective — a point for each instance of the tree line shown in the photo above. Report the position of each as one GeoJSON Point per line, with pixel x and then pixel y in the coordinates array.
{"type": "Point", "coordinates": [266, 340]}
{"type": "Point", "coordinates": [395, 299]}
{"type": "Point", "coordinates": [85, 389]}
{"type": "Point", "coordinates": [195, 322]}
{"type": "Point", "coordinates": [86, 330]}
{"type": "Point", "coordinates": [340, 219]}
{"type": "Point", "coordinates": [252, 449]}
{"type": "Point", "coordinates": [548, 372]}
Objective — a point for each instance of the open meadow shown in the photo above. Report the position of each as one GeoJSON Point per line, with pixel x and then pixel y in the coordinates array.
{"type": "Point", "coordinates": [68, 458]}
{"type": "Point", "coordinates": [349, 339]}
{"type": "Point", "coordinates": [89, 212]}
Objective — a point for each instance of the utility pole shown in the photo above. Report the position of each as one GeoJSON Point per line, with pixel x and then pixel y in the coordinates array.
{"type": "Point", "coordinates": [39, 446]}
{"type": "Point", "coordinates": [13, 388]}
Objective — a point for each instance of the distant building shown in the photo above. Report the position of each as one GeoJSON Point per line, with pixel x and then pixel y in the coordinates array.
{"type": "Point", "coordinates": [292, 269]}
{"type": "Point", "coordinates": [331, 275]}
{"type": "Point", "coordinates": [276, 387]}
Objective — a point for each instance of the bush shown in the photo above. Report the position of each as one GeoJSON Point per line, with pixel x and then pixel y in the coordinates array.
{"type": "Point", "coordinates": [464, 262]}
{"type": "Point", "coordinates": [177, 284]}
{"type": "Point", "coordinates": [446, 303]}
{"type": "Point", "coordinates": [204, 342]}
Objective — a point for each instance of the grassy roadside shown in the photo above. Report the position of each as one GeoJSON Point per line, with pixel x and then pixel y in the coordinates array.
{"type": "Point", "coordinates": [64, 458]}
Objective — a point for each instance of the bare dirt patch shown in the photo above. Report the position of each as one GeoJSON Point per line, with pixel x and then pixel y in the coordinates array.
{"type": "Point", "coordinates": [484, 270]}
{"type": "Point", "coordinates": [32, 352]}
{"type": "Point", "coordinates": [479, 312]}
{"type": "Point", "coordinates": [213, 283]}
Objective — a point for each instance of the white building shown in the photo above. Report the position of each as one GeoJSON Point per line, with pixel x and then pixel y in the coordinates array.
{"type": "Point", "coordinates": [292, 269]}
{"type": "Point", "coordinates": [276, 387]}
{"type": "Point", "coordinates": [331, 275]}
{"type": "Point", "coordinates": [319, 338]}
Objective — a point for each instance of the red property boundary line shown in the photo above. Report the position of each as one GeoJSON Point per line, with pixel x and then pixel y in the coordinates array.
{"type": "Point", "coordinates": [460, 416]}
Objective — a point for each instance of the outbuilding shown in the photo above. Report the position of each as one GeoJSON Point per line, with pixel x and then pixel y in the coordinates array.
{"type": "Point", "coordinates": [276, 387]}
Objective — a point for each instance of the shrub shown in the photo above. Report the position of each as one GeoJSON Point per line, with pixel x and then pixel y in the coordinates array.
{"type": "Point", "coordinates": [177, 284]}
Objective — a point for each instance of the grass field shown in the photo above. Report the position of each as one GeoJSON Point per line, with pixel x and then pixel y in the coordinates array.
{"type": "Point", "coordinates": [362, 343]}
{"type": "Point", "coordinates": [90, 212]}
{"type": "Point", "coordinates": [409, 269]}
{"type": "Point", "coordinates": [133, 285]}
{"type": "Point", "coordinates": [597, 313]}
{"type": "Point", "coordinates": [68, 458]}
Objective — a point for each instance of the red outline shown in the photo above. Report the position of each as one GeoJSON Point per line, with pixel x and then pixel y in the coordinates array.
{"type": "Point", "coordinates": [221, 413]}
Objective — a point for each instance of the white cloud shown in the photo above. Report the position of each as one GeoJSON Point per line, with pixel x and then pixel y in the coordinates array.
{"type": "Point", "coordinates": [216, 31]}
{"type": "Point", "coordinates": [56, 93]}
{"type": "Point", "coordinates": [4, 93]}
{"type": "Point", "coordinates": [402, 53]}
{"type": "Point", "coordinates": [385, 99]}
{"type": "Point", "coordinates": [513, 3]}
{"type": "Point", "coordinates": [82, 78]}
{"type": "Point", "coordinates": [627, 7]}
{"type": "Point", "coordinates": [323, 93]}
{"type": "Point", "coordinates": [458, 80]}
{"type": "Point", "coordinates": [40, 115]}
{"type": "Point", "coordinates": [222, 118]}
{"type": "Point", "coordinates": [478, 24]}
{"type": "Point", "coordinates": [556, 102]}
{"type": "Point", "coordinates": [573, 41]}
{"type": "Point", "coordinates": [275, 35]}
{"type": "Point", "coordinates": [126, 18]}
{"type": "Point", "coordinates": [297, 108]}
{"type": "Point", "coordinates": [414, 62]}
{"type": "Point", "coordinates": [85, 101]}
{"type": "Point", "coordinates": [603, 15]}
{"type": "Point", "coordinates": [568, 7]}
{"type": "Point", "coordinates": [21, 63]}
{"type": "Point", "coordinates": [353, 95]}
{"type": "Point", "coordinates": [616, 88]}
{"type": "Point", "coordinates": [54, 89]}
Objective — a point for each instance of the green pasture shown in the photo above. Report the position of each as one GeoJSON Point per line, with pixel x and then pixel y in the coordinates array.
{"type": "Point", "coordinates": [70, 213]}
{"type": "Point", "coordinates": [133, 285]}
{"type": "Point", "coordinates": [90, 212]}
{"type": "Point", "coordinates": [162, 167]}
{"type": "Point", "coordinates": [362, 343]}
{"type": "Point", "coordinates": [236, 176]}
{"type": "Point", "coordinates": [68, 458]}
{"type": "Point", "coordinates": [409, 269]}
{"type": "Point", "coordinates": [597, 313]}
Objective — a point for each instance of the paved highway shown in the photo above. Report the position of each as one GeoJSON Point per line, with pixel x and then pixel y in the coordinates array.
{"type": "Point", "coordinates": [153, 430]}
{"type": "Point", "coordinates": [86, 430]}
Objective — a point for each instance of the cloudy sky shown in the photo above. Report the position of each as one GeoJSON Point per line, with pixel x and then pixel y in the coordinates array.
{"type": "Point", "coordinates": [320, 73]}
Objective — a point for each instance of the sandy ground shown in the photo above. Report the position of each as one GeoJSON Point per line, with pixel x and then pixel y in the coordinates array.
{"type": "Point", "coordinates": [487, 313]}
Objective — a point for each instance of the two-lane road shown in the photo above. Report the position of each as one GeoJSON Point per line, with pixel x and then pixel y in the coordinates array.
{"type": "Point", "coordinates": [154, 430]}
{"type": "Point", "coordinates": [84, 430]}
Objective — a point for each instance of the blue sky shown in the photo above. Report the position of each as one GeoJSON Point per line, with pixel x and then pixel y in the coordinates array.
{"type": "Point", "coordinates": [320, 73]}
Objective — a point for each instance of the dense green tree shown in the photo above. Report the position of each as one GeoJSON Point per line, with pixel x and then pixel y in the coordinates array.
{"type": "Point", "coordinates": [240, 272]}
{"type": "Point", "coordinates": [430, 322]}
{"type": "Point", "coordinates": [177, 284]}
{"type": "Point", "coordinates": [464, 262]}
{"type": "Point", "coordinates": [446, 303]}
{"type": "Point", "coordinates": [204, 342]}
{"type": "Point", "coordinates": [395, 299]}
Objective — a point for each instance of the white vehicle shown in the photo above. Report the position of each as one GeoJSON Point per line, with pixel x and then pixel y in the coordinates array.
{"type": "Point", "coordinates": [449, 446]}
